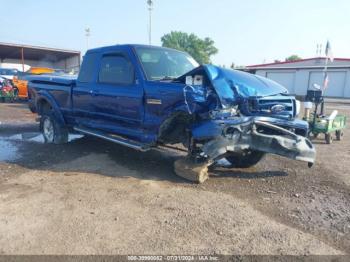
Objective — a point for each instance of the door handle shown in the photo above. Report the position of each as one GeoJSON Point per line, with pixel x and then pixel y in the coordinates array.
{"type": "Point", "coordinates": [94, 92]}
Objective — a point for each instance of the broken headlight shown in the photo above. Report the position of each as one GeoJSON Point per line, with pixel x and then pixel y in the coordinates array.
{"type": "Point", "coordinates": [223, 113]}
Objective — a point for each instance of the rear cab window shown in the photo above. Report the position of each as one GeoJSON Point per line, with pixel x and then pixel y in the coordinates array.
{"type": "Point", "coordinates": [87, 70]}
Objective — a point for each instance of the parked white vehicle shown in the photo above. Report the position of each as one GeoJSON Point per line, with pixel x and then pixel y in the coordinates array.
{"type": "Point", "coordinates": [8, 73]}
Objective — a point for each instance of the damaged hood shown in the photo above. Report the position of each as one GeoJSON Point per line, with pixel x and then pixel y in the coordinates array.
{"type": "Point", "coordinates": [232, 84]}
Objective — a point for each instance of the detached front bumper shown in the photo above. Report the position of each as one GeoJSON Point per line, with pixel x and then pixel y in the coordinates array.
{"type": "Point", "coordinates": [253, 134]}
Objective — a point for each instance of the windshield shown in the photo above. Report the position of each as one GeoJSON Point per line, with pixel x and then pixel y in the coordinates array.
{"type": "Point", "coordinates": [164, 64]}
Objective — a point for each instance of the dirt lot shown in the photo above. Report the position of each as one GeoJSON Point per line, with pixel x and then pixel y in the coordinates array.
{"type": "Point", "coordinates": [93, 197]}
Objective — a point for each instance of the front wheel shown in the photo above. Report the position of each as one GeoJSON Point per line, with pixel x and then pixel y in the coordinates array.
{"type": "Point", "coordinates": [248, 159]}
{"type": "Point", "coordinates": [328, 138]}
{"type": "Point", "coordinates": [52, 131]}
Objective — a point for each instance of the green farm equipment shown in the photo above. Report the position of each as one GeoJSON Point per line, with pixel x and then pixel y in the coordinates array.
{"type": "Point", "coordinates": [320, 123]}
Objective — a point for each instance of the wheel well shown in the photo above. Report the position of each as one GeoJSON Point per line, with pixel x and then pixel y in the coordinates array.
{"type": "Point", "coordinates": [43, 106]}
{"type": "Point", "coordinates": [175, 128]}
{"type": "Point", "coordinates": [30, 94]}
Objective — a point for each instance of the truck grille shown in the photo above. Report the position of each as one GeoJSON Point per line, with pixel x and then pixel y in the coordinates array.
{"type": "Point", "coordinates": [273, 106]}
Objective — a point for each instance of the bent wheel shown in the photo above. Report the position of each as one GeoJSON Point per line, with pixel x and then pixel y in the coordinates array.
{"type": "Point", "coordinates": [249, 159]}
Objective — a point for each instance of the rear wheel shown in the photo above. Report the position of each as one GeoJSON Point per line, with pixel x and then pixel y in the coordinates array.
{"type": "Point", "coordinates": [329, 138]}
{"type": "Point", "coordinates": [53, 132]}
{"type": "Point", "coordinates": [338, 135]}
{"type": "Point", "coordinates": [249, 159]}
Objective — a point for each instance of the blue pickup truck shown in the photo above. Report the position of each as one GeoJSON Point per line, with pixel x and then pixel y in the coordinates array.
{"type": "Point", "coordinates": [144, 97]}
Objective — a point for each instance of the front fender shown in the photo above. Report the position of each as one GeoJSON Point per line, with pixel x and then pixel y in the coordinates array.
{"type": "Point", "coordinates": [180, 107]}
{"type": "Point", "coordinates": [172, 111]}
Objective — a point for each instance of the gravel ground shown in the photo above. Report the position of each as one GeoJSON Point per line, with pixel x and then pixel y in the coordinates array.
{"type": "Point", "coordinates": [93, 197]}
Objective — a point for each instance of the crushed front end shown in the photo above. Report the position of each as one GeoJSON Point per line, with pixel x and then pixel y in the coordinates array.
{"type": "Point", "coordinates": [247, 134]}
{"type": "Point", "coordinates": [252, 116]}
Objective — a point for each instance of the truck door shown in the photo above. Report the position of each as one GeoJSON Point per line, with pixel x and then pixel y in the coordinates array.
{"type": "Point", "coordinates": [82, 92]}
{"type": "Point", "coordinates": [117, 103]}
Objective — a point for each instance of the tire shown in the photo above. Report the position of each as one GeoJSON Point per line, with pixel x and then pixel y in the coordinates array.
{"type": "Point", "coordinates": [251, 158]}
{"type": "Point", "coordinates": [52, 131]}
{"type": "Point", "coordinates": [338, 135]}
{"type": "Point", "coordinates": [329, 138]}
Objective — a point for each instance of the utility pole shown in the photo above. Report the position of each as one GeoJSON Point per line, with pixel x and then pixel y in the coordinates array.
{"type": "Point", "coordinates": [150, 9]}
{"type": "Point", "coordinates": [22, 58]}
{"type": "Point", "coordinates": [87, 34]}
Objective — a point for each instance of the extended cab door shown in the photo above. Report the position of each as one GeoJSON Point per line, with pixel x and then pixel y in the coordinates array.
{"type": "Point", "coordinates": [82, 94]}
{"type": "Point", "coordinates": [117, 104]}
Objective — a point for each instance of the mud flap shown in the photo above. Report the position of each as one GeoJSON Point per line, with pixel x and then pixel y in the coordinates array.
{"type": "Point", "coordinates": [243, 137]}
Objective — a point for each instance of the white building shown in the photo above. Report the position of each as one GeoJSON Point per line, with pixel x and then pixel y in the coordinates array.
{"type": "Point", "coordinates": [298, 76]}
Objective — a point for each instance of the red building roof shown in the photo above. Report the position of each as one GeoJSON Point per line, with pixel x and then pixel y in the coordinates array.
{"type": "Point", "coordinates": [295, 61]}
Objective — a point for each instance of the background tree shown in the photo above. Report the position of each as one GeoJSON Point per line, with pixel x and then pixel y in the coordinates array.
{"type": "Point", "coordinates": [293, 58]}
{"type": "Point", "coordinates": [199, 49]}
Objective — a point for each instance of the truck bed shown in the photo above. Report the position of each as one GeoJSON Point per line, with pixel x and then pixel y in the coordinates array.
{"type": "Point", "coordinates": [65, 80]}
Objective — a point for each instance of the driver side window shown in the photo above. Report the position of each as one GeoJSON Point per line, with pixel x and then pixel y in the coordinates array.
{"type": "Point", "coordinates": [116, 69]}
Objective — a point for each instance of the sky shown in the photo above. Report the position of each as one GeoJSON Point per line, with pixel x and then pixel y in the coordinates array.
{"type": "Point", "coordinates": [245, 32]}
